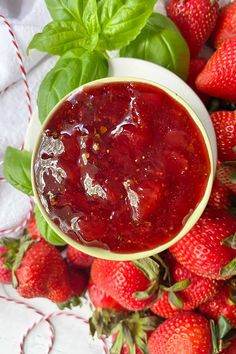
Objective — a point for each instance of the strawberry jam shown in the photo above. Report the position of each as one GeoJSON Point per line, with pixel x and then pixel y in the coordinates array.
{"type": "Point", "coordinates": [121, 166]}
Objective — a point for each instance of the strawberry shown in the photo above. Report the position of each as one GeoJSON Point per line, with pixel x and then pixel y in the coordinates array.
{"type": "Point", "coordinates": [131, 284]}
{"type": "Point", "coordinates": [218, 78]}
{"type": "Point", "coordinates": [5, 274]}
{"type": "Point", "coordinates": [226, 25]}
{"type": "Point", "coordinates": [195, 19]}
{"type": "Point", "coordinates": [78, 259]}
{"type": "Point", "coordinates": [42, 272]}
{"type": "Point", "coordinates": [78, 280]}
{"type": "Point", "coordinates": [100, 299]}
{"type": "Point", "coordinates": [131, 334]}
{"type": "Point", "coordinates": [185, 333]}
{"type": "Point", "coordinates": [196, 66]}
{"type": "Point", "coordinates": [227, 176]}
{"type": "Point", "coordinates": [230, 348]}
{"type": "Point", "coordinates": [202, 249]}
{"type": "Point", "coordinates": [32, 228]}
{"type": "Point", "coordinates": [225, 127]}
{"type": "Point", "coordinates": [219, 197]}
{"type": "Point", "coordinates": [220, 305]}
{"type": "Point", "coordinates": [197, 292]}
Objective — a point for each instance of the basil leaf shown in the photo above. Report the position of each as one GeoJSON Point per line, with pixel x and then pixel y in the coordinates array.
{"type": "Point", "coordinates": [69, 73]}
{"type": "Point", "coordinates": [122, 21]}
{"type": "Point", "coordinates": [59, 9]}
{"type": "Point", "coordinates": [86, 12]}
{"type": "Point", "coordinates": [17, 169]}
{"type": "Point", "coordinates": [60, 36]}
{"type": "Point", "coordinates": [161, 43]}
{"type": "Point", "coordinates": [45, 230]}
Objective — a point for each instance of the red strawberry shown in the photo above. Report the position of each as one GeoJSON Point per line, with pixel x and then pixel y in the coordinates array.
{"type": "Point", "coordinates": [219, 197]}
{"type": "Point", "coordinates": [218, 78]}
{"type": "Point", "coordinates": [196, 66]}
{"type": "Point", "coordinates": [199, 291]}
{"type": "Point", "coordinates": [42, 272]}
{"type": "Point", "coordinates": [225, 176]}
{"type": "Point", "coordinates": [231, 347]}
{"type": "Point", "coordinates": [32, 229]}
{"type": "Point", "coordinates": [202, 251]}
{"type": "Point", "coordinates": [77, 258]}
{"type": "Point", "coordinates": [225, 127]}
{"type": "Point", "coordinates": [195, 19]}
{"type": "Point", "coordinates": [126, 283]}
{"type": "Point", "coordinates": [185, 333]}
{"type": "Point", "coordinates": [225, 25]}
{"type": "Point", "coordinates": [220, 305]}
{"type": "Point", "coordinates": [100, 299]}
{"type": "Point", "coordinates": [78, 280]}
{"type": "Point", "coordinates": [5, 274]}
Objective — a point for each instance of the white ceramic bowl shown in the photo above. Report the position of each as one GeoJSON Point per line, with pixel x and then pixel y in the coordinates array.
{"type": "Point", "coordinates": [163, 79]}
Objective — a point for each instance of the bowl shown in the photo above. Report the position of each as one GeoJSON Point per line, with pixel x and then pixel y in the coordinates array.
{"type": "Point", "coordinates": [208, 135]}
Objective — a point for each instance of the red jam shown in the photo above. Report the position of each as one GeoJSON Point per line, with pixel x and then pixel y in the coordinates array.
{"type": "Point", "coordinates": [121, 166]}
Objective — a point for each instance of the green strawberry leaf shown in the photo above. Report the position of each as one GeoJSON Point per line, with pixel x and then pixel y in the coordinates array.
{"type": "Point", "coordinates": [161, 43]}
{"type": "Point", "coordinates": [175, 300]}
{"type": "Point", "coordinates": [69, 73]}
{"type": "Point", "coordinates": [149, 267]}
{"type": "Point", "coordinates": [214, 337]}
{"type": "Point", "coordinates": [45, 230]}
{"type": "Point", "coordinates": [181, 285]}
{"type": "Point", "coordinates": [122, 21]}
{"type": "Point", "coordinates": [229, 269]}
{"type": "Point", "coordinates": [223, 327]}
{"type": "Point", "coordinates": [230, 241]}
{"type": "Point", "coordinates": [17, 169]}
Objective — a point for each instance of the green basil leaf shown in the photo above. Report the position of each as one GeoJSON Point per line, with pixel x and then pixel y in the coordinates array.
{"type": "Point", "coordinates": [161, 43]}
{"type": "Point", "coordinates": [60, 36]}
{"type": "Point", "coordinates": [59, 9]}
{"type": "Point", "coordinates": [17, 169]}
{"type": "Point", "coordinates": [45, 230]}
{"type": "Point", "coordinates": [68, 74]}
{"type": "Point", "coordinates": [122, 21]}
{"type": "Point", "coordinates": [86, 12]}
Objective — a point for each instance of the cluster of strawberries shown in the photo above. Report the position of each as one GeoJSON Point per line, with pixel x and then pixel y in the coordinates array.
{"type": "Point", "coordinates": [183, 300]}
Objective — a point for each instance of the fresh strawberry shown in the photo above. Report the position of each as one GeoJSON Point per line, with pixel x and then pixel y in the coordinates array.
{"type": "Point", "coordinates": [219, 197]}
{"type": "Point", "coordinates": [218, 78]}
{"type": "Point", "coordinates": [38, 269]}
{"type": "Point", "coordinates": [196, 66]}
{"type": "Point", "coordinates": [227, 176]}
{"type": "Point", "coordinates": [220, 305]}
{"type": "Point", "coordinates": [78, 259]}
{"type": "Point", "coordinates": [78, 280]}
{"type": "Point", "coordinates": [202, 250]}
{"type": "Point", "coordinates": [5, 274]}
{"type": "Point", "coordinates": [131, 287]}
{"type": "Point", "coordinates": [131, 334]}
{"type": "Point", "coordinates": [43, 273]}
{"type": "Point", "coordinates": [185, 333]}
{"type": "Point", "coordinates": [100, 299]}
{"type": "Point", "coordinates": [225, 127]}
{"type": "Point", "coordinates": [195, 19]}
{"type": "Point", "coordinates": [230, 348]}
{"type": "Point", "coordinates": [226, 25]}
{"type": "Point", "coordinates": [197, 292]}
{"type": "Point", "coordinates": [32, 228]}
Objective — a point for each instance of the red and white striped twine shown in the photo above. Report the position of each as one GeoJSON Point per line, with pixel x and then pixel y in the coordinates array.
{"type": "Point", "coordinates": [29, 107]}
{"type": "Point", "coordinates": [47, 319]}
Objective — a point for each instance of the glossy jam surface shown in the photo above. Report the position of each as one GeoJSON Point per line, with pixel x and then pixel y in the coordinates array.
{"type": "Point", "coordinates": [121, 166]}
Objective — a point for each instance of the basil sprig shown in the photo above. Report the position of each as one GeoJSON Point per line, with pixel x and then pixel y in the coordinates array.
{"type": "Point", "coordinates": [16, 169]}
